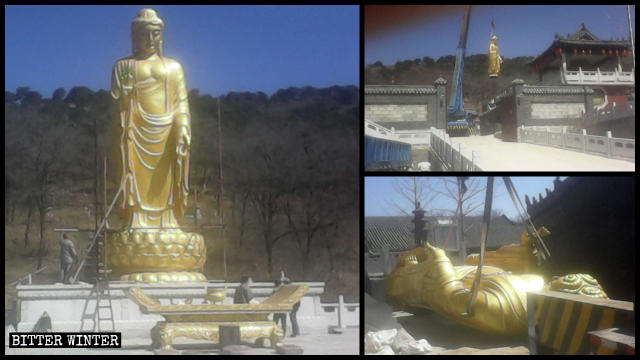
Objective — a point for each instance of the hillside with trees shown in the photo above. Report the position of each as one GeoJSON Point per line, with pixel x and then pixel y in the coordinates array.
{"type": "Point", "coordinates": [477, 86]}
{"type": "Point", "coordinates": [290, 164]}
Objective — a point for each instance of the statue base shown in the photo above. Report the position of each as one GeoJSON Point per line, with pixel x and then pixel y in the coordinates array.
{"type": "Point", "coordinates": [165, 277]}
{"type": "Point", "coordinates": [156, 255]}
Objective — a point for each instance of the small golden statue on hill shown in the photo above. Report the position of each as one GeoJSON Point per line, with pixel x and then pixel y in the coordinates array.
{"type": "Point", "coordinates": [495, 60]}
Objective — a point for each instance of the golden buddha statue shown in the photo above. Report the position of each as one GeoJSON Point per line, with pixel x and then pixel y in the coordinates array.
{"type": "Point", "coordinates": [434, 283]}
{"type": "Point", "coordinates": [425, 278]}
{"type": "Point", "coordinates": [495, 60]}
{"type": "Point", "coordinates": [152, 138]}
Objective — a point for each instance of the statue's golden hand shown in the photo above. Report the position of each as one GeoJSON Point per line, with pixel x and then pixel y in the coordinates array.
{"type": "Point", "coordinates": [184, 141]}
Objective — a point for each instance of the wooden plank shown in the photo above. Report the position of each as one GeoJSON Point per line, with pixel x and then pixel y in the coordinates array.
{"type": "Point", "coordinates": [607, 319]}
{"type": "Point", "coordinates": [549, 320]}
{"type": "Point", "coordinates": [580, 327]}
{"type": "Point", "coordinates": [564, 323]}
{"type": "Point", "coordinates": [613, 336]}
{"type": "Point", "coordinates": [560, 321]}
{"type": "Point", "coordinates": [615, 304]}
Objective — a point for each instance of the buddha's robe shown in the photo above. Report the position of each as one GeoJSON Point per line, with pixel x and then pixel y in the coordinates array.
{"type": "Point", "coordinates": [151, 97]}
{"type": "Point", "coordinates": [495, 60]}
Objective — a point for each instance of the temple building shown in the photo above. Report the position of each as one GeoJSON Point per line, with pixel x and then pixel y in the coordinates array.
{"type": "Point", "coordinates": [584, 83]}
{"type": "Point", "coordinates": [583, 59]}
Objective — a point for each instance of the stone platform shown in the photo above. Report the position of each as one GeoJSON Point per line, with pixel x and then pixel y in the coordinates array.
{"type": "Point", "coordinates": [65, 304]}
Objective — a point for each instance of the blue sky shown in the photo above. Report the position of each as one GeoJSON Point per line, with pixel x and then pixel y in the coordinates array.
{"type": "Point", "coordinates": [522, 30]}
{"type": "Point", "coordinates": [221, 48]}
{"type": "Point", "coordinates": [379, 192]}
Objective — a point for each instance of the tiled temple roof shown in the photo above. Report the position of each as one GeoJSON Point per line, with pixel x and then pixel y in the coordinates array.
{"type": "Point", "coordinates": [396, 232]}
{"type": "Point", "coordinates": [582, 37]}
{"type": "Point", "coordinates": [399, 90]}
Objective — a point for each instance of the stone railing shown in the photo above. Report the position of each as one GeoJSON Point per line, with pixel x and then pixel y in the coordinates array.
{"type": "Point", "coordinates": [342, 314]}
{"type": "Point", "coordinates": [375, 130]}
{"type": "Point", "coordinates": [450, 154]}
{"type": "Point", "coordinates": [413, 138]}
{"type": "Point", "coordinates": [598, 77]}
{"type": "Point", "coordinates": [416, 138]}
{"type": "Point", "coordinates": [599, 145]}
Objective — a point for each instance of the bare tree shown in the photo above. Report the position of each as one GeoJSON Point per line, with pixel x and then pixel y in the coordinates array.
{"type": "Point", "coordinates": [27, 224]}
{"type": "Point", "coordinates": [413, 193]}
{"type": "Point", "coordinates": [267, 195]}
{"type": "Point", "coordinates": [44, 167]}
{"type": "Point", "coordinates": [310, 208]}
{"type": "Point", "coordinates": [243, 215]}
{"type": "Point", "coordinates": [449, 187]}
{"type": "Point", "coordinates": [464, 192]}
{"type": "Point", "coordinates": [314, 216]}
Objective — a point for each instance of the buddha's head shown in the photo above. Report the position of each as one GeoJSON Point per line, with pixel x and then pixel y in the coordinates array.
{"type": "Point", "coordinates": [146, 34]}
{"type": "Point", "coordinates": [494, 39]}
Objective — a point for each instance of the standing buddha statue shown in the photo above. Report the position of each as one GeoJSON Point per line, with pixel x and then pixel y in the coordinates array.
{"type": "Point", "coordinates": [495, 60]}
{"type": "Point", "coordinates": [152, 140]}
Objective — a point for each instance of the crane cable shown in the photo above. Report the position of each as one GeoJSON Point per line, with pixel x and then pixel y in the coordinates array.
{"type": "Point", "coordinates": [543, 252]}
{"type": "Point", "coordinates": [486, 221]}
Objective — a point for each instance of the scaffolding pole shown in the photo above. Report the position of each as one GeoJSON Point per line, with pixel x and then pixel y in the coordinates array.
{"type": "Point", "coordinates": [220, 192]}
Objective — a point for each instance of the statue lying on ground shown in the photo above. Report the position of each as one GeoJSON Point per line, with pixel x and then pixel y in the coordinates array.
{"type": "Point", "coordinates": [425, 278]}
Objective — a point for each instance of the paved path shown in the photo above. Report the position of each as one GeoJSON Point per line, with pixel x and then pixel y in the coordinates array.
{"type": "Point", "coordinates": [497, 155]}
{"type": "Point", "coordinates": [313, 341]}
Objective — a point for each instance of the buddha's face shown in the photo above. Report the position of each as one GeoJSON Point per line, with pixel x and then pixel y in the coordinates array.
{"type": "Point", "coordinates": [147, 40]}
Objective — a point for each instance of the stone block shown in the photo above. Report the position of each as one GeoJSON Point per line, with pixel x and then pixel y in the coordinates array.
{"type": "Point", "coordinates": [289, 349]}
{"type": "Point", "coordinates": [229, 335]}
{"type": "Point", "coordinates": [166, 352]}
{"type": "Point", "coordinates": [236, 350]}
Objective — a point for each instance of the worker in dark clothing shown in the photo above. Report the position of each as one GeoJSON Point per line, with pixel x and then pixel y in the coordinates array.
{"type": "Point", "coordinates": [294, 320]}
{"type": "Point", "coordinates": [243, 293]}
{"type": "Point", "coordinates": [280, 317]}
{"type": "Point", "coordinates": [68, 256]}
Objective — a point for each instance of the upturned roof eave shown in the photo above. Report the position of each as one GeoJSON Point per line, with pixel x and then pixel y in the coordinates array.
{"type": "Point", "coordinates": [565, 42]}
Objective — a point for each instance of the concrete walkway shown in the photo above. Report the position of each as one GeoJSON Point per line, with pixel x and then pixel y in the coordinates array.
{"type": "Point", "coordinates": [314, 342]}
{"type": "Point", "coordinates": [497, 155]}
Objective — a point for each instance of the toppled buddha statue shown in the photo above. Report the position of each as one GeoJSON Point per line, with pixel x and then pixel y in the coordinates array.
{"type": "Point", "coordinates": [151, 141]}
{"type": "Point", "coordinates": [425, 278]}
